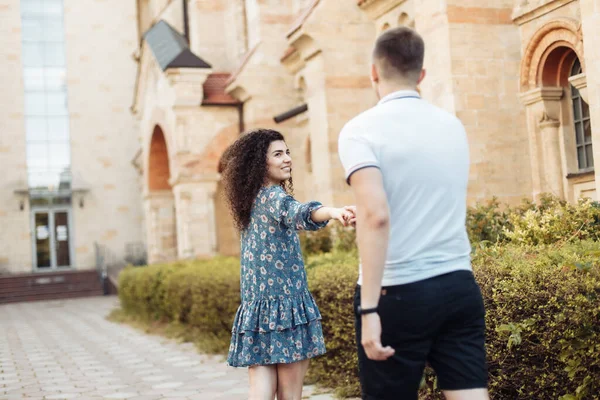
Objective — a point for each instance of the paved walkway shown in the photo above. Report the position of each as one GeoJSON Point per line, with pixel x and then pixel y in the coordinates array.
{"type": "Point", "coordinates": [68, 350]}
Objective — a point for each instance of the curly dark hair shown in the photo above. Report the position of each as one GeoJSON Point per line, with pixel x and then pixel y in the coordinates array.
{"type": "Point", "coordinates": [245, 170]}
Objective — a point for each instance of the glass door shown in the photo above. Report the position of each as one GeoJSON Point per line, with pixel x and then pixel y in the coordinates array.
{"type": "Point", "coordinates": [42, 240]}
{"type": "Point", "coordinates": [52, 238]}
{"type": "Point", "coordinates": [62, 239]}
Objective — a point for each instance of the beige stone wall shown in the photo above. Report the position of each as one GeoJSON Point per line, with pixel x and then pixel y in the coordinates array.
{"type": "Point", "coordinates": [590, 11]}
{"type": "Point", "coordinates": [101, 77]}
{"type": "Point", "coordinates": [431, 21]}
{"type": "Point", "coordinates": [472, 58]}
{"type": "Point", "coordinates": [207, 33]}
{"type": "Point", "coordinates": [336, 77]}
{"type": "Point", "coordinates": [485, 64]}
{"type": "Point", "coordinates": [15, 240]}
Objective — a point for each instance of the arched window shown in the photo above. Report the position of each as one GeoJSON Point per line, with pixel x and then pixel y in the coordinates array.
{"type": "Point", "coordinates": [583, 128]}
{"type": "Point", "coordinates": [385, 27]}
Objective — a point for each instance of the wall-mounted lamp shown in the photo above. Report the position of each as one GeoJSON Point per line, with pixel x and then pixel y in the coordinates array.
{"type": "Point", "coordinates": [22, 195]}
{"type": "Point", "coordinates": [79, 195]}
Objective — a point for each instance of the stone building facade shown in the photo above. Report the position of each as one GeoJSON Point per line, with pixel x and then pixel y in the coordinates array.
{"type": "Point", "coordinates": [522, 75]}
{"type": "Point", "coordinates": [67, 136]}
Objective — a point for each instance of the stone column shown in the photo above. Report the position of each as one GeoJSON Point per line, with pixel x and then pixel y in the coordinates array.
{"type": "Point", "coordinates": [196, 228]}
{"type": "Point", "coordinates": [552, 173]}
{"type": "Point", "coordinates": [159, 207]}
{"type": "Point", "coordinates": [547, 158]}
{"type": "Point", "coordinates": [590, 25]}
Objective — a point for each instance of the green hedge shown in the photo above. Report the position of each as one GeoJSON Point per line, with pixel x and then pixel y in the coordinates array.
{"type": "Point", "coordinates": [542, 302]}
{"type": "Point", "coordinates": [202, 295]}
{"type": "Point", "coordinates": [537, 264]}
{"type": "Point", "coordinates": [549, 221]}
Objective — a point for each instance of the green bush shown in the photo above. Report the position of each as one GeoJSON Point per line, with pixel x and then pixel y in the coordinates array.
{"type": "Point", "coordinates": [549, 221]}
{"type": "Point", "coordinates": [543, 318]}
{"type": "Point", "coordinates": [334, 238]}
{"type": "Point", "coordinates": [332, 279]}
{"type": "Point", "coordinates": [539, 279]}
{"type": "Point", "coordinates": [555, 221]}
{"type": "Point", "coordinates": [203, 295]}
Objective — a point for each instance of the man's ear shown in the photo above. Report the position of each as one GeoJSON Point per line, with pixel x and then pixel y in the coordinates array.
{"type": "Point", "coordinates": [374, 73]}
{"type": "Point", "coordinates": [422, 76]}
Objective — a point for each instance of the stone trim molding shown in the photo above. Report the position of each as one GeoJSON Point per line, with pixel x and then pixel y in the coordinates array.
{"type": "Point", "coordinates": [580, 83]}
{"type": "Point", "coordinates": [528, 10]}
{"type": "Point", "coordinates": [542, 94]}
{"type": "Point", "coordinates": [376, 8]}
{"type": "Point", "coordinates": [565, 31]}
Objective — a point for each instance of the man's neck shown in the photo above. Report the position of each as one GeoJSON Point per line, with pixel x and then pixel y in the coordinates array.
{"type": "Point", "coordinates": [389, 88]}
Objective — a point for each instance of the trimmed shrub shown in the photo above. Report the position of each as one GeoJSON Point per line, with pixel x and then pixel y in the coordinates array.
{"type": "Point", "coordinates": [542, 307]}
{"type": "Point", "coordinates": [550, 221]}
{"type": "Point", "coordinates": [203, 295]}
{"type": "Point", "coordinates": [538, 266]}
{"type": "Point", "coordinates": [332, 279]}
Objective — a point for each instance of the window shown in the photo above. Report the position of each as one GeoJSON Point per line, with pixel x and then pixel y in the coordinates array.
{"type": "Point", "coordinates": [44, 78]}
{"type": "Point", "coordinates": [583, 128]}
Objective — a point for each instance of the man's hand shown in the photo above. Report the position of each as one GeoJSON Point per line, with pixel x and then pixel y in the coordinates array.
{"type": "Point", "coordinates": [343, 215]}
{"type": "Point", "coordinates": [352, 220]}
{"type": "Point", "coordinates": [371, 338]}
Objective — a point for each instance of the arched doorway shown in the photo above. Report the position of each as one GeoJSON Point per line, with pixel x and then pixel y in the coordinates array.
{"type": "Point", "coordinates": [158, 167]}
{"type": "Point", "coordinates": [160, 203]}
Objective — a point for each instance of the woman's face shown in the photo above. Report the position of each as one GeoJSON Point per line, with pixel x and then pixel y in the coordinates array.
{"type": "Point", "coordinates": [279, 163]}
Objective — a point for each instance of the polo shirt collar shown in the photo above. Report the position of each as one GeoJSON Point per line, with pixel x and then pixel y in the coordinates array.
{"type": "Point", "coordinates": [401, 94]}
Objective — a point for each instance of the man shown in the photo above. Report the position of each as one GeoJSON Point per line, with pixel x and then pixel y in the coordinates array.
{"type": "Point", "coordinates": [417, 301]}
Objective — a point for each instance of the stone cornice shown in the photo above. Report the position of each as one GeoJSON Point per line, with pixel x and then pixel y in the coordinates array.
{"type": "Point", "coordinates": [527, 10]}
{"type": "Point", "coordinates": [307, 47]}
{"type": "Point", "coordinates": [376, 8]}
{"type": "Point", "coordinates": [185, 179]}
{"type": "Point", "coordinates": [293, 62]}
{"type": "Point", "coordinates": [542, 94]}
{"type": "Point", "coordinates": [187, 84]}
{"type": "Point", "coordinates": [579, 81]}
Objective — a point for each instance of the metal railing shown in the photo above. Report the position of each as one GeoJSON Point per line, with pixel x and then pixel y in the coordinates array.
{"type": "Point", "coordinates": [108, 265]}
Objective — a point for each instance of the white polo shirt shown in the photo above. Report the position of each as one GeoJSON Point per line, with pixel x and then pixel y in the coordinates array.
{"type": "Point", "coordinates": [423, 155]}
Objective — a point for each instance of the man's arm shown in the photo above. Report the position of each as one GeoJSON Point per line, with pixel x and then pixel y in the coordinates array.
{"type": "Point", "coordinates": [372, 231]}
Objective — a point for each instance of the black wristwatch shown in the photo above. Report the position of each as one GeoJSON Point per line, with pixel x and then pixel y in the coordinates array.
{"type": "Point", "coordinates": [363, 311]}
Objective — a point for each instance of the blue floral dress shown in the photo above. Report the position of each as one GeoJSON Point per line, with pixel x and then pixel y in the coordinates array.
{"type": "Point", "coordinates": [278, 321]}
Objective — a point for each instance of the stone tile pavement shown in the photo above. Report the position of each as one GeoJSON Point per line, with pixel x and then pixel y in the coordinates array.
{"type": "Point", "coordinates": [68, 350]}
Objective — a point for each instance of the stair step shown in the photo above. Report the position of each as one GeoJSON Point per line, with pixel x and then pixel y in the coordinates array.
{"type": "Point", "coordinates": [58, 296]}
{"type": "Point", "coordinates": [50, 285]}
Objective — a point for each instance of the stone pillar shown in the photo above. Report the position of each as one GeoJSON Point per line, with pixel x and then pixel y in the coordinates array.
{"type": "Point", "coordinates": [159, 207]}
{"type": "Point", "coordinates": [552, 173]}
{"type": "Point", "coordinates": [196, 227]}
{"type": "Point", "coordinates": [547, 156]}
{"type": "Point", "coordinates": [590, 25]}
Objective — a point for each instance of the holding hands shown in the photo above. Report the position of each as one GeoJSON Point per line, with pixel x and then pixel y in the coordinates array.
{"type": "Point", "coordinates": [345, 215]}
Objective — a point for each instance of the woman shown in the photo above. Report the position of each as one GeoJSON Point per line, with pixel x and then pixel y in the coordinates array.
{"type": "Point", "coordinates": [277, 327]}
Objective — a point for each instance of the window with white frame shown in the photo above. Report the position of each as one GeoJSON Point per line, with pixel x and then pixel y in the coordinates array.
{"type": "Point", "coordinates": [582, 125]}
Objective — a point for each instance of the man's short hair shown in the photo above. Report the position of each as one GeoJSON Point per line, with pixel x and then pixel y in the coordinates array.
{"type": "Point", "coordinates": [399, 54]}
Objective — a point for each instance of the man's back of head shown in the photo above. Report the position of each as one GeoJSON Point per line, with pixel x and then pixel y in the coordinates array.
{"type": "Point", "coordinates": [398, 59]}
